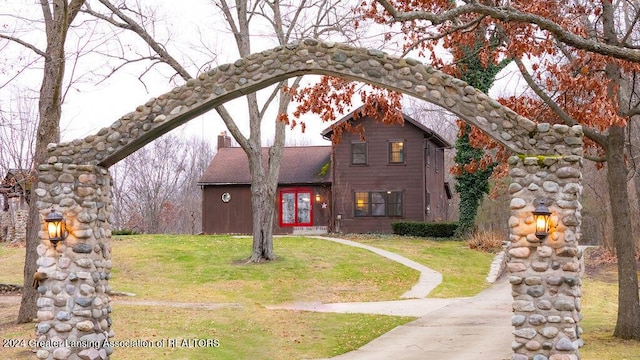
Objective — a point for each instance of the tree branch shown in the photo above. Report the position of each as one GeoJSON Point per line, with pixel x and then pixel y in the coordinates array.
{"type": "Point", "coordinates": [270, 99]}
{"type": "Point", "coordinates": [436, 37]}
{"type": "Point", "coordinates": [109, 19]}
{"type": "Point", "coordinates": [25, 44]}
{"type": "Point", "coordinates": [591, 133]}
{"type": "Point", "coordinates": [233, 128]}
{"type": "Point", "coordinates": [24, 68]}
{"type": "Point", "coordinates": [630, 28]}
{"type": "Point", "coordinates": [159, 49]}
{"type": "Point", "coordinates": [598, 159]}
{"type": "Point", "coordinates": [510, 14]}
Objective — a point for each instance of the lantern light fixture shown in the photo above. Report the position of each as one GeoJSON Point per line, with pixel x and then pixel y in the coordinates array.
{"type": "Point", "coordinates": [541, 215]}
{"type": "Point", "coordinates": [56, 227]}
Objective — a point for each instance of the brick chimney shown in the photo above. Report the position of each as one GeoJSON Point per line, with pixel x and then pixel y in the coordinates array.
{"type": "Point", "coordinates": [224, 140]}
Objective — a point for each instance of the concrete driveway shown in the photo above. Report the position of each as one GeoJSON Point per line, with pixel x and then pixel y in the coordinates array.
{"type": "Point", "coordinates": [477, 328]}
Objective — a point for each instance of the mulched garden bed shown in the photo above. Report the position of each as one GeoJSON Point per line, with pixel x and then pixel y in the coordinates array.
{"type": "Point", "coordinates": [10, 289]}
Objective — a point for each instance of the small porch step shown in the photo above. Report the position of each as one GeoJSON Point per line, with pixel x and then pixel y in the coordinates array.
{"type": "Point", "coordinates": [310, 230]}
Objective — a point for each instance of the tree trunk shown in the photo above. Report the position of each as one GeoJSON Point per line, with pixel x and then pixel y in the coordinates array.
{"type": "Point", "coordinates": [28, 309]}
{"type": "Point", "coordinates": [262, 205]}
{"type": "Point", "coordinates": [48, 132]}
{"type": "Point", "coordinates": [628, 323]}
{"type": "Point", "coordinates": [634, 136]}
{"type": "Point", "coordinates": [57, 19]}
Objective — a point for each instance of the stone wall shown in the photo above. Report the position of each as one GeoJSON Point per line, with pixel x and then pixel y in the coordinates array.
{"type": "Point", "coordinates": [546, 274]}
{"type": "Point", "coordinates": [20, 219]}
{"type": "Point", "coordinates": [73, 304]}
{"type": "Point", "coordinates": [13, 223]}
{"type": "Point", "coordinates": [6, 226]}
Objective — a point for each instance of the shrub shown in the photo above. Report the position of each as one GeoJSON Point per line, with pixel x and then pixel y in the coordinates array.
{"type": "Point", "coordinates": [414, 228]}
{"type": "Point", "coordinates": [124, 232]}
{"type": "Point", "coordinates": [486, 241]}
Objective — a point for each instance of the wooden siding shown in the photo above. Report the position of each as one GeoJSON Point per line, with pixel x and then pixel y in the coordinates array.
{"type": "Point", "coordinates": [434, 184]}
{"type": "Point", "coordinates": [235, 217]}
{"type": "Point", "coordinates": [413, 177]}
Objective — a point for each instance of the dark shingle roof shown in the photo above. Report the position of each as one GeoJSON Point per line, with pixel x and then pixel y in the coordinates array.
{"type": "Point", "coordinates": [300, 165]}
{"type": "Point", "coordinates": [434, 136]}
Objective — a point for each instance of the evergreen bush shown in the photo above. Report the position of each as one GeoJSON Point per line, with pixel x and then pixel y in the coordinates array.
{"type": "Point", "coordinates": [421, 229]}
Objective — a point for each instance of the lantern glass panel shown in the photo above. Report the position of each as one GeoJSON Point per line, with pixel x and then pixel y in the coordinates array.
{"type": "Point", "coordinates": [541, 223]}
{"type": "Point", "coordinates": [55, 229]}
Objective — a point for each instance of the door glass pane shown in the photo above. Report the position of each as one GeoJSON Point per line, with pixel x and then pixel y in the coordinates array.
{"type": "Point", "coordinates": [288, 208]}
{"type": "Point", "coordinates": [304, 208]}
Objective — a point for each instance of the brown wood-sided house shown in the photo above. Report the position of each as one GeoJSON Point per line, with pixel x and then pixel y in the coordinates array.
{"type": "Point", "coordinates": [15, 185]}
{"type": "Point", "coordinates": [356, 186]}
{"type": "Point", "coordinates": [15, 191]}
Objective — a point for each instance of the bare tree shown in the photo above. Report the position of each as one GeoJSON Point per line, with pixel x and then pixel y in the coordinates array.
{"type": "Point", "coordinates": [155, 189]}
{"type": "Point", "coordinates": [18, 124]}
{"type": "Point", "coordinates": [57, 18]}
{"type": "Point", "coordinates": [199, 154]}
{"type": "Point", "coordinates": [121, 198]}
{"type": "Point", "coordinates": [19, 121]}
{"type": "Point", "coordinates": [286, 21]}
{"type": "Point", "coordinates": [434, 117]}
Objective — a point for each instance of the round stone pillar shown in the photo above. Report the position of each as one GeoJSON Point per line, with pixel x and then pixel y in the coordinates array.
{"type": "Point", "coordinates": [545, 274]}
{"type": "Point", "coordinates": [73, 305]}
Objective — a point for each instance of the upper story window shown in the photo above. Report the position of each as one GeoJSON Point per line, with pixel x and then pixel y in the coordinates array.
{"type": "Point", "coordinates": [358, 153]}
{"type": "Point", "coordinates": [396, 152]}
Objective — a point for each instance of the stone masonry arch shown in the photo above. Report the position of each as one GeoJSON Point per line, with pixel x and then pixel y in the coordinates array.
{"type": "Point", "coordinates": [73, 304]}
{"type": "Point", "coordinates": [257, 71]}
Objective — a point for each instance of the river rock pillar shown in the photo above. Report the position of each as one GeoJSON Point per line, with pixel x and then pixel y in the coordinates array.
{"type": "Point", "coordinates": [545, 275]}
{"type": "Point", "coordinates": [73, 305]}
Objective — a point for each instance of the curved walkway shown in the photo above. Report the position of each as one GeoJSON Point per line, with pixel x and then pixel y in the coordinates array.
{"type": "Point", "coordinates": [415, 305]}
{"type": "Point", "coordinates": [428, 280]}
{"type": "Point", "coordinates": [475, 328]}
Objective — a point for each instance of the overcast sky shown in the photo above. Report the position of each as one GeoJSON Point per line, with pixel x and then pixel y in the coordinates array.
{"type": "Point", "coordinates": [193, 25]}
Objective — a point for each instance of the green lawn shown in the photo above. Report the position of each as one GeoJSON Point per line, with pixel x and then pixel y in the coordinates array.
{"type": "Point", "coordinates": [250, 332]}
{"type": "Point", "coordinates": [599, 311]}
{"type": "Point", "coordinates": [463, 270]}
{"type": "Point", "coordinates": [208, 269]}
{"type": "Point", "coordinates": [11, 264]}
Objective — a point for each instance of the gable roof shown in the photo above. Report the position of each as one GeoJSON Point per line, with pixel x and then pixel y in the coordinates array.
{"type": "Point", "coordinates": [18, 174]}
{"type": "Point", "coordinates": [17, 179]}
{"type": "Point", "coordinates": [433, 136]}
{"type": "Point", "coordinates": [300, 165]}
